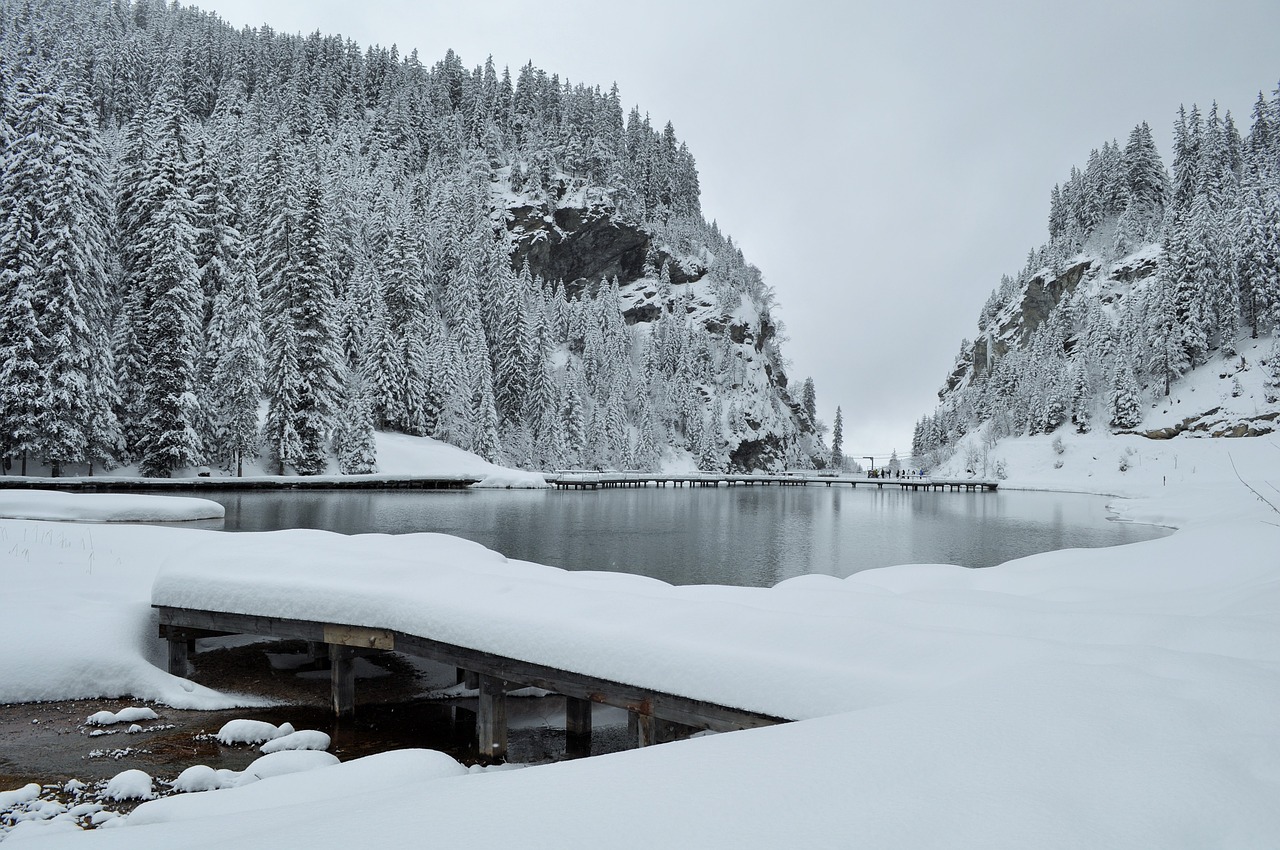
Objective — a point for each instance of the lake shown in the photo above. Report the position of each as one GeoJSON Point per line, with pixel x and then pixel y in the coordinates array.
{"type": "Point", "coordinates": [749, 536]}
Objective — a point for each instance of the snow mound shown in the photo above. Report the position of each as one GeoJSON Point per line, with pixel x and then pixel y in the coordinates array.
{"type": "Point", "coordinates": [249, 732]}
{"type": "Point", "coordinates": [130, 785]}
{"type": "Point", "coordinates": [306, 739]}
{"type": "Point", "coordinates": [104, 507]}
{"type": "Point", "coordinates": [124, 715]}
{"type": "Point", "coordinates": [314, 789]}
{"type": "Point", "coordinates": [287, 761]}
{"type": "Point", "coordinates": [25, 794]}
{"type": "Point", "coordinates": [199, 777]}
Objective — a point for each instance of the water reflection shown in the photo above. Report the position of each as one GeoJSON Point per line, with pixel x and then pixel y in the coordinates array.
{"type": "Point", "coordinates": [755, 536]}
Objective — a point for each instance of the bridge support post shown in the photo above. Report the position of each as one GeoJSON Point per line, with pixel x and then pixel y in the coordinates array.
{"type": "Point", "coordinates": [577, 727]}
{"type": "Point", "coordinates": [491, 720]}
{"type": "Point", "coordinates": [342, 678]}
{"type": "Point", "coordinates": [178, 656]}
{"type": "Point", "coordinates": [643, 727]}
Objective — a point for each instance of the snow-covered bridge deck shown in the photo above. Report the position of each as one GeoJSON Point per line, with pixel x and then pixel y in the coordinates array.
{"type": "Point", "coordinates": [658, 716]}
{"type": "Point", "coordinates": [679, 659]}
{"type": "Point", "coordinates": [586, 480]}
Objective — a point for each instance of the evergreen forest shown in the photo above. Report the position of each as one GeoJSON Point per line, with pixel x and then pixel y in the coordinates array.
{"type": "Point", "coordinates": [225, 247]}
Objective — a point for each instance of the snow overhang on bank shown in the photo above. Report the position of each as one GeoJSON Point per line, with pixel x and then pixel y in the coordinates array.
{"type": "Point", "coordinates": [104, 507]}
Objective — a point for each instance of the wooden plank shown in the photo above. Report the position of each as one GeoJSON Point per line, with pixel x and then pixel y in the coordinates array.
{"type": "Point", "coordinates": [240, 624]}
{"type": "Point", "coordinates": [342, 679]}
{"type": "Point", "coordinates": [359, 636]}
{"type": "Point", "coordinates": [491, 720]}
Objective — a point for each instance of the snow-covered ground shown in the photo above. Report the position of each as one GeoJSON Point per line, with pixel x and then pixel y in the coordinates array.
{"type": "Point", "coordinates": [104, 507]}
{"type": "Point", "coordinates": [1082, 698]}
{"type": "Point", "coordinates": [398, 455]}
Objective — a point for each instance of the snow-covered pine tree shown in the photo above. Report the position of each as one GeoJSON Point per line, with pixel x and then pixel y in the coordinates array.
{"type": "Point", "coordinates": [1126, 405]}
{"type": "Point", "coordinates": [837, 440]}
{"type": "Point", "coordinates": [167, 275]}
{"type": "Point", "coordinates": [313, 314]}
{"type": "Point", "coordinates": [353, 435]}
{"type": "Point", "coordinates": [24, 390]}
{"type": "Point", "coordinates": [74, 251]}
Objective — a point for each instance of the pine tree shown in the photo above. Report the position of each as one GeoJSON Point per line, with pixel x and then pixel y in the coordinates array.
{"type": "Point", "coordinates": [809, 401]}
{"type": "Point", "coordinates": [837, 441]}
{"type": "Point", "coordinates": [168, 279]}
{"type": "Point", "coordinates": [1126, 406]}
{"type": "Point", "coordinates": [353, 438]}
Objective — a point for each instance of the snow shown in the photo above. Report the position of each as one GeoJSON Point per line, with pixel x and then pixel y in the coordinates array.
{"type": "Point", "coordinates": [248, 732]}
{"type": "Point", "coordinates": [407, 455]}
{"type": "Point", "coordinates": [304, 739]}
{"type": "Point", "coordinates": [1079, 698]}
{"type": "Point", "coordinates": [93, 582]}
{"type": "Point", "coordinates": [25, 794]}
{"type": "Point", "coordinates": [130, 785]}
{"type": "Point", "coordinates": [198, 777]}
{"type": "Point", "coordinates": [399, 455]}
{"type": "Point", "coordinates": [124, 715]}
{"type": "Point", "coordinates": [287, 761]}
{"type": "Point", "coordinates": [104, 507]}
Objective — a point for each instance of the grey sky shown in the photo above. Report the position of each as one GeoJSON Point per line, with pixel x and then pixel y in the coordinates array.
{"type": "Point", "coordinates": [882, 166]}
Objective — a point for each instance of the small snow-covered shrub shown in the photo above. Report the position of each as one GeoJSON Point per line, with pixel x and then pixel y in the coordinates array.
{"type": "Point", "coordinates": [1124, 463]}
{"type": "Point", "coordinates": [1058, 446]}
{"type": "Point", "coordinates": [1057, 464]}
{"type": "Point", "coordinates": [1001, 471]}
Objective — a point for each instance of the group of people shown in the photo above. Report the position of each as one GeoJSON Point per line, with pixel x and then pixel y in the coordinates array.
{"type": "Point", "coordinates": [896, 473]}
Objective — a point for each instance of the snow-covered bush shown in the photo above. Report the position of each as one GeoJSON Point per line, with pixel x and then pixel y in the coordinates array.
{"type": "Point", "coordinates": [1058, 447]}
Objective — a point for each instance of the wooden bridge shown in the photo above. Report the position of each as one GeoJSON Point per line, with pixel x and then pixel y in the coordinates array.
{"type": "Point", "coordinates": [589, 480]}
{"type": "Point", "coordinates": [654, 716]}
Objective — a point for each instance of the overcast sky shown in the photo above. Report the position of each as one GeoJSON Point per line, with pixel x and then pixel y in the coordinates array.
{"type": "Point", "coordinates": [882, 166]}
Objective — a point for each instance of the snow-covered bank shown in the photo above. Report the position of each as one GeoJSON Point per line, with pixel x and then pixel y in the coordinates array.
{"type": "Point", "coordinates": [104, 507]}
{"type": "Point", "coordinates": [399, 456]}
{"type": "Point", "coordinates": [1122, 697]}
{"type": "Point", "coordinates": [76, 614]}
{"type": "Point", "coordinates": [1179, 482]}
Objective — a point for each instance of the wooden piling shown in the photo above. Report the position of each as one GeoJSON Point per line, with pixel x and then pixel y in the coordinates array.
{"type": "Point", "coordinates": [577, 727]}
{"type": "Point", "coordinates": [178, 657]}
{"type": "Point", "coordinates": [645, 727]}
{"type": "Point", "coordinates": [342, 678]}
{"type": "Point", "coordinates": [491, 720]}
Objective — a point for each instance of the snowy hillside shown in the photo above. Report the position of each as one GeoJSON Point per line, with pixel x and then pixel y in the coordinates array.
{"type": "Point", "coordinates": [279, 245]}
{"type": "Point", "coordinates": [1152, 307]}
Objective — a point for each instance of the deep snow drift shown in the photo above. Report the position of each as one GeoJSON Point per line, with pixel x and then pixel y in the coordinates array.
{"type": "Point", "coordinates": [1118, 696]}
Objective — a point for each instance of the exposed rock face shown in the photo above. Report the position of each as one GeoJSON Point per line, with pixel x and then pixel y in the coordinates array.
{"type": "Point", "coordinates": [756, 454]}
{"type": "Point", "coordinates": [1038, 300]}
{"type": "Point", "coordinates": [1041, 296]}
{"type": "Point", "coordinates": [586, 245]}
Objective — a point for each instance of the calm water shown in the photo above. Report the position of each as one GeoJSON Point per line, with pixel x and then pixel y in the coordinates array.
{"type": "Point", "coordinates": [755, 536]}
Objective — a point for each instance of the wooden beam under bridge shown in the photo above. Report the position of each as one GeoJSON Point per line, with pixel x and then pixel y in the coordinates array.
{"type": "Point", "coordinates": [497, 674]}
